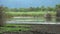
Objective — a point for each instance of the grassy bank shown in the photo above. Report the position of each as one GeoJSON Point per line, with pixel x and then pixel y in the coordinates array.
{"type": "Point", "coordinates": [40, 13]}
{"type": "Point", "coordinates": [15, 27]}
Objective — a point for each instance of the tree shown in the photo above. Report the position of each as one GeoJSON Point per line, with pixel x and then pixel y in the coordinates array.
{"type": "Point", "coordinates": [58, 13]}
{"type": "Point", "coordinates": [37, 9]}
{"type": "Point", "coordinates": [42, 8]}
{"type": "Point", "coordinates": [50, 9]}
{"type": "Point", "coordinates": [6, 9]}
{"type": "Point", "coordinates": [15, 9]}
{"type": "Point", "coordinates": [31, 9]}
{"type": "Point", "coordinates": [1, 16]}
{"type": "Point", "coordinates": [58, 6]}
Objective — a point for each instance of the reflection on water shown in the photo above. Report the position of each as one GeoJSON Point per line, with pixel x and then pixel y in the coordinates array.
{"type": "Point", "coordinates": [28, 20]}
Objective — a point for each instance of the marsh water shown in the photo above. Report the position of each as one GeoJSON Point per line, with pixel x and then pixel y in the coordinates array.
{"type": "Point", "coordinates": [29, 20]}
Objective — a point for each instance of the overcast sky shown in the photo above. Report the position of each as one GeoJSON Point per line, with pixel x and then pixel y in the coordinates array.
{"type": "Point", "coordinates": [28, 3]}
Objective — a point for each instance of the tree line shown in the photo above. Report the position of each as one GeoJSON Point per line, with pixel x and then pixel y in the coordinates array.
{"type": "Point", "coordinates": [33, 9]}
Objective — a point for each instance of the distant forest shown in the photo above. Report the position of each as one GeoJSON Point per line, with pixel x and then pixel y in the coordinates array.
{"type": "Point", "coordinates": [33, 9]}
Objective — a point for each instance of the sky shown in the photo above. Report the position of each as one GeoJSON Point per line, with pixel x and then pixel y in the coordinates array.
{"type": "Point", "coordinates": [28, 3]}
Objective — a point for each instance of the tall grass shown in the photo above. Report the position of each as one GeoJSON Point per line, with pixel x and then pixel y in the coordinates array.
{"type": "Point", "coordinates": [40, 13]}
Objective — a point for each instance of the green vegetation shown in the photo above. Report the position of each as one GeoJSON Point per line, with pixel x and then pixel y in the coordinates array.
{"type": "Point", "coordinates": [41, 13]}
{"type": "Point", "coordinates": [32, 11]}
{"type": "Point", "coordinates": [15, 27]}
